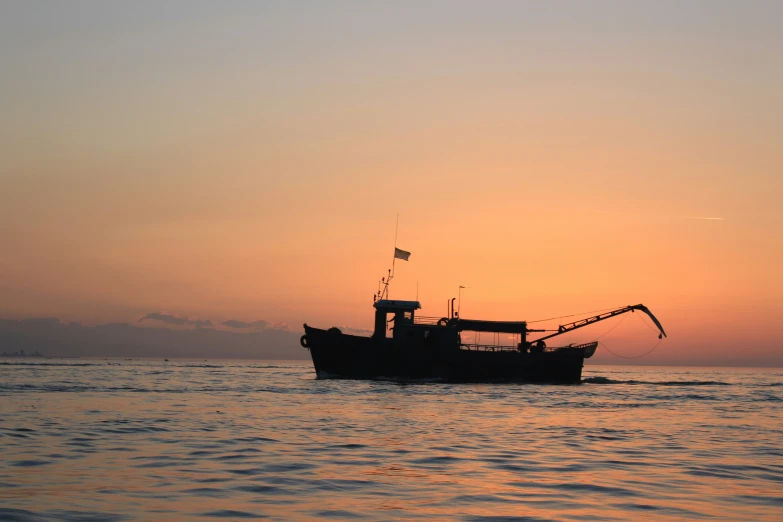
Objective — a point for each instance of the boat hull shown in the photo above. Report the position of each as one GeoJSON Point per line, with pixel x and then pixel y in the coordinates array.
{"type": "Point", "coordinates": [337, 355]}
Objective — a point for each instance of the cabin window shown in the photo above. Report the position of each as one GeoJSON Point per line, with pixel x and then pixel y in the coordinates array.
{"type": "Point", "coordinates": [409, 316]}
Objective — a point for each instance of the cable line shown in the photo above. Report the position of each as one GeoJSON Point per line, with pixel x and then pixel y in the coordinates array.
{"type": "Point", "coordinates": [647, 324]}
{"type": "Point", "coordinates": [633, 357]}
{"type": "Point", "coordinates": [613, 327]}
{"type": "Point", "coordinates": [574, 315]}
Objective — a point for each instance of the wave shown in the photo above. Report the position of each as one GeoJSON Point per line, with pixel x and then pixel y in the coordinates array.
{"type": "Point", "coordinates": [23, 515]}
{"type": "Point", "coordinates": [269, 366]}
{"type": "Point", "coordinates": [324, 375]}
{"type": "Point", "coordinates": [6, 363]}
{"type": "Point", "coordinates": [605, 380]}
{"type": "Point", "coordinates": [88, 388]}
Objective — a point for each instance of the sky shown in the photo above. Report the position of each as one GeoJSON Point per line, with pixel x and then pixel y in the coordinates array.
{"type": "Point", "coordinates": [248, 160]}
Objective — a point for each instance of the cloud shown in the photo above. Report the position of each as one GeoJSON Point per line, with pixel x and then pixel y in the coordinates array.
{"type": "Point", "coordinates": [355, 331]}
{"type": "Point", "coordinates": [254, 325]}
{"type": "Point", "coordinates": [176, 319]}
{"type": "Point", "coordinates": [235, 324]}
{"type": "Point", "coordinates": [60, 339]}
{"type": "Point", "coordinates": [41, 321]}
{"type": "Point", "coordinates": [280, 325]}
{"type": "Point", "coordinates": [165, 318]}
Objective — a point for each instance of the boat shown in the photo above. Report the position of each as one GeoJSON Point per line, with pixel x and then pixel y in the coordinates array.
{"type": "Point", "coordinates": [408, 347]}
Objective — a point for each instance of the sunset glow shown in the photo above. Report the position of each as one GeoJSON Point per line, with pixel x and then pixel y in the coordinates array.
{"type": "Point", "coordinates": [248, 163]}
{"type": "Point", "coordinates": [442, 260]}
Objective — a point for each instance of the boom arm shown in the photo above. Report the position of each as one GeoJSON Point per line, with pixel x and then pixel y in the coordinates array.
{"type": "Point", "coordinates": [565, 328]}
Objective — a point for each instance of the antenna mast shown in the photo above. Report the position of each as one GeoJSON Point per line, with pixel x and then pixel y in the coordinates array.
{"type": "Point", "coordinates": [384, 294]}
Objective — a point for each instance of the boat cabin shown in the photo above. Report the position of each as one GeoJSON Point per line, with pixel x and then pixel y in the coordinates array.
{"type": "Point", "coordinates": [403, 314]}
{"type": "Point", "coordinates": [407, 327]}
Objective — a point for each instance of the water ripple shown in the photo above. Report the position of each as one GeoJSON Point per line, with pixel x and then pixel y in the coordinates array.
{"type": "Point", "coordinates": [153, 440]}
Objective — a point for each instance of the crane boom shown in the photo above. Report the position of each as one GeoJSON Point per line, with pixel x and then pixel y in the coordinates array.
{"type": "Point", "coordinates": [565, 328]}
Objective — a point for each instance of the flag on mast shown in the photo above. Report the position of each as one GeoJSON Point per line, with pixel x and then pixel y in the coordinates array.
{"type": "Point", "coordinates": [401, 254]}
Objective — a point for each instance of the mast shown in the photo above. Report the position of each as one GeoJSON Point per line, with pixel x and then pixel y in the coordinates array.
{"type": "Point", "coordinates": [384, 294]}
{"type": "Point", "coordinates": [394, 256]}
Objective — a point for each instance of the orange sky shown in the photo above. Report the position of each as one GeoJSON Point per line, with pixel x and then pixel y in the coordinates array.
{"type": "Point", "coordinates": [248, 162]}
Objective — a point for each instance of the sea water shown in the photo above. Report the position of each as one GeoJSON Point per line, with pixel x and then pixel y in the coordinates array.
{"type": "Point", "coordinates": [100, 440]}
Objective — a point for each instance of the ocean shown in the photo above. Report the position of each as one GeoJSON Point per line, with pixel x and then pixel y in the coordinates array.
{"type": "Point", "coordinates": [105, 440]}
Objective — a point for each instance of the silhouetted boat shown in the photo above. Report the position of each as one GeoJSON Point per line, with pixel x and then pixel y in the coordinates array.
{"type": "Point", "coordinates": [433, 349]}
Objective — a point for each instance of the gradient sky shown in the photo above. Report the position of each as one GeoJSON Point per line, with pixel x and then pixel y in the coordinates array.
{"type": "Point", "coordinates": [247, 160]}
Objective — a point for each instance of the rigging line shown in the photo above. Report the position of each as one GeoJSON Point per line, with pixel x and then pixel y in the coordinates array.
{"type": "Point", "coordinates": [574, 315]}
{"type": "Point", "coordinates": [618, 323]}
{"type": "Point", "coordinates": [632, 357]}
{"type": "Point", "coordinates": [642, 319]}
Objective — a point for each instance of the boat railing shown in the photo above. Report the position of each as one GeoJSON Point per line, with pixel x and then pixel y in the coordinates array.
{"type": "Point", "coordinates": [474, 347]}
{"type": "Point", "coordinates": [426, 321]}
{"type": "Point", "coordinates": [585, 345]}
{"type": "Point", "coordinates": [507, 348]}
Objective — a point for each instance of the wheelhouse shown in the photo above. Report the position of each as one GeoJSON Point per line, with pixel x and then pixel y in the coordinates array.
{"type": "Point", "coordinates": [403, 313]}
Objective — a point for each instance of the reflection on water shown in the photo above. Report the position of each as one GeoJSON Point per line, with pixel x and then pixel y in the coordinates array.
{"type": "Point", "coordinates": [151, 440]}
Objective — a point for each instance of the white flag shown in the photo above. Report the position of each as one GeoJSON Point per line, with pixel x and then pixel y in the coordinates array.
{"type": "Point", "coordinates": [401, 254]}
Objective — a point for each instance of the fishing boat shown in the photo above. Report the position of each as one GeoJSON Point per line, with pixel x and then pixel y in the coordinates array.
{"type": "Point", "coordinates": [406, 347]}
